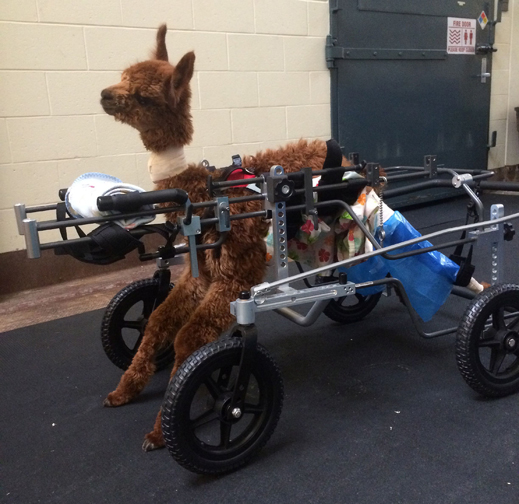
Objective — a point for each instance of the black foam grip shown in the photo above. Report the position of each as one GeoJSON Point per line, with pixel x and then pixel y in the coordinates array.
{"type": "Point", "coordinates": [133, 201]}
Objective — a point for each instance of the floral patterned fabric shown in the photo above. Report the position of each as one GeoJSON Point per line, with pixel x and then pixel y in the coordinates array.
{"type": "Point", "coordinates": [340, 239]}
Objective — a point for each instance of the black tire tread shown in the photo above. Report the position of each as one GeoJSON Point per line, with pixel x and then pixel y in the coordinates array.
{"type": "Point", "coordinates": [464, 336]}
{"type": "Point", "coordinates": [122, 361]}
{"type": "Point", "coordinates": [176, 386]}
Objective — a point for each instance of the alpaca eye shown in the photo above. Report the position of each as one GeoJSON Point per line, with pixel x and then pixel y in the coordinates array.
{"type": "Point", "coordinates": [143, 100]}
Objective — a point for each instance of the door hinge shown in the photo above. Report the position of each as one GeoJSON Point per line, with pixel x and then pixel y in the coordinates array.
{"type": "Point", "coordinates": [334, 52]}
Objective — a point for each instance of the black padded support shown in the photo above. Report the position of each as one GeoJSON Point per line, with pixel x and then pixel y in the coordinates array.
{"type": "Point", "coordinates": [333, 154]}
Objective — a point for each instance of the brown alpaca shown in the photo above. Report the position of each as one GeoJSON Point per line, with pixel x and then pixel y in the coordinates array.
{"type": "Point", "coordinates": [154, 97]}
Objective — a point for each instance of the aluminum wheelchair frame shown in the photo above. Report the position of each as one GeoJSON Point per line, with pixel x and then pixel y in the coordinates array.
{"type": "Point", "coordinates": [228, 366]}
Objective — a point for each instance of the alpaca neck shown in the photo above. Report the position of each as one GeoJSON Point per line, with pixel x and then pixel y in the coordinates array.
{"type": "Point", "coordinates": [166, 163]}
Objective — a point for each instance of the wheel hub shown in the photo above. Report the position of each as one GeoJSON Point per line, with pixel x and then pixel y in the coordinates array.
{"type": "Point", "coordinates": [511, 341]}
{"type": "Point", "coordinates": [222, 407]}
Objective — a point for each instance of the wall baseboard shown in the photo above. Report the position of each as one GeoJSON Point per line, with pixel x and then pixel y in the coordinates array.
{"type": "Point", "coordinates": [18, 273]}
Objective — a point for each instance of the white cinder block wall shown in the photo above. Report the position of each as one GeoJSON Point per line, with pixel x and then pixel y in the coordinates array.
{"type": "Point", "coordinates": [504, 90]}
{"type": "Point", "coordinates": [261, 80]}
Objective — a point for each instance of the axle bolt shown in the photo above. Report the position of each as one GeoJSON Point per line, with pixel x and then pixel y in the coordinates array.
{"type": "Point", "coordinates": [236, 412]}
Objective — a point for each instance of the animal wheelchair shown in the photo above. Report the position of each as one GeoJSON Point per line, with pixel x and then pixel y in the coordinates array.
{"type": "Point", "coordinates": [224, 402]}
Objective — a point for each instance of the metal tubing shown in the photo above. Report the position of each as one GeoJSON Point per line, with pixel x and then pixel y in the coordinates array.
{"type": "Point", "coordinates": [499, 186]}
{"type": "Point", "coordinates": [439, 169]}
{"type": "Point", "coordinates": [463, 292]}
{"type": "Point", "coordinates": [390, 193]}
{"type": "Point", "coordinates": [41, 208]}
{"type": "Point", "coordinates": [32, 241]}
{"type": "Point", "coordinates": [21, 214]}
{"type": "Point", "coordinates": [428, 249]}
{"type": "Point", "coordinates": [304, 320]}
{"type": "Point", "coordinates": [266, 286]}
{"type": "Point", "coordinates": [406, 176]}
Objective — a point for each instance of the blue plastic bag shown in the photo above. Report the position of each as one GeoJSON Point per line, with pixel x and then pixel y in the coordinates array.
{"type": "Point", "coordinates": [374, 268]}
{"type": "Point", "coordinates": [427, 278]}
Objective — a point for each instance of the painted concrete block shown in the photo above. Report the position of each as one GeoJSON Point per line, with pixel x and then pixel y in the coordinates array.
{"type": "Point", "coordinates": [225, 15]}
{"type": "Point", "coordinates": [258, 124]}
{"type": "Point", "coordinates": [228, 89]}
{"type": "Point", "coordinates": [116, 138]}
{"type": "Point", "coordinates": [288, 17]}
{"type": "Point", "coordinates": [18, 10]}
{"type": "Point", "coordinates": [256, 53]}
{"type": "Point", "coordinates": [309, 121]}
{"type": "Point", "coordinates": [74, 93]}
{"type": "Point", "coordinates": [23, 94]}
{"type": "Point", "coordinates": [5, 148]}
{"type": "Point", "coordinates": [284, 88]}
{"type": "Point", "coordinates": [304, 53]}
{"type": "Point", "coordinates": [46, 138]}
{"type": "Point", "coordinates": [93, 12]}
{"type": "Point", "coordinates": [41, 47]}
{"type": "Point", "coordinates": [177, 14]}
{"type": "Point", "coordinates": [212, 127]}
{"type": "Point", "coordinates": [29, 183]}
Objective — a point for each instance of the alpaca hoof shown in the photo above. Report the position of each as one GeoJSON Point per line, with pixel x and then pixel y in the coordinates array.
{"type": "Point", "coordinates": [150, 445]}
{"type": "Point", "coordinates": [153, 441]}
{"type": "Point", "coordinates": [112, 401]}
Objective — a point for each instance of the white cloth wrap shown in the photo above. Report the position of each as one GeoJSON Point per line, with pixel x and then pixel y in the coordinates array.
{"type": "Point", "coordinates": [167, 163]}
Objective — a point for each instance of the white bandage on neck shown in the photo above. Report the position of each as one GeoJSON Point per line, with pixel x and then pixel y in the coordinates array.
{"type": "Point", "coordinates": [167, 163]}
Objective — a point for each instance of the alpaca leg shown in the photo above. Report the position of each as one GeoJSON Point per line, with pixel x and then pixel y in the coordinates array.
{"type": "Point", "coordinates": [162, 327]}
{"type": "Point", "coordinates": [206, 324]}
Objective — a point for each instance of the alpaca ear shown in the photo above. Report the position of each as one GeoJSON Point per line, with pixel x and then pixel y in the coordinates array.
{"type": "Point", "coordinates": [161, 53]}
{"type": "Point", "coordinates": [182, 75]}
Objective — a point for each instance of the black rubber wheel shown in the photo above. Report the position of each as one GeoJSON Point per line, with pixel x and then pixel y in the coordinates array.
{"type": "Point", "coordinates": [487, 344]}
{"type": "Point", "coordinates": [200, 431]}
{"type": "Point", "coordinates": [350, 309]}
{"type": "Point", "coordinates": [125, 319]}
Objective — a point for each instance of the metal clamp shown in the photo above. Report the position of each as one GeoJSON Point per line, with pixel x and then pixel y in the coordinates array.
{"type": "Point", "coordinates": [430, 166]}
{"type": "Point", "coordinates": [460, 179]}
{"type": "Point", "coordinates": [191, 230]}
{"type": "Point", "coordinates": [373, 174]}
{"type": "Point", "coordinates": [494, 237]}
{"type": "Point", "coordinates": [223, 212]}
{"type": "Point", "coordinates": [279, 221]}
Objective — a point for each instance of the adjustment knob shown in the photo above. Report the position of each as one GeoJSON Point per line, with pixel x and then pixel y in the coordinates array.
{"type": "Point", "coordinates": [509, 231]}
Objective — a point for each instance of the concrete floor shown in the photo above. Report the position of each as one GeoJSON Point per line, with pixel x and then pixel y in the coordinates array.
{"type": "Point", "coordinates": [34, 306]}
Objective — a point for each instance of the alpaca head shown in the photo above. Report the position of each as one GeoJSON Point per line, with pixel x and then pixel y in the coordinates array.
{"type": "Point", "coordinates": [154, 97]}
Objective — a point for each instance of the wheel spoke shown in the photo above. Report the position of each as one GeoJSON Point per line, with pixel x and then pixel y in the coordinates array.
{"type": "Point", "coordinates": [497, 358]}
{"type": "Point", "coordinates": [498, 318]}
{"type": "Point", "coordinates": [131, 324]}
{"type": "Point", "coordinates": [138, 342]}
{"type": "Point", "coordinates": [513, 324]}
{"type": "Point", "coordinates": [212, 387]}
{"type": "Point", "coordinates": [255, 409]}
{"type": "Point", "coordinates": [203, 419]}
{"type": "Point", "coordinates": [225, 434]}
{"type": "Point", "coordinates": [488, 343]}
{"type": "Point", "coordinates": [488, 338]}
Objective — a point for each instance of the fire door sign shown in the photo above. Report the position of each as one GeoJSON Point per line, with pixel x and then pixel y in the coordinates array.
{"type": "Point", "coordinates": [461, 36]}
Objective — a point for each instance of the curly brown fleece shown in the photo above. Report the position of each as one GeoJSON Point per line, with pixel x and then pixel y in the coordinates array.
{"type": "Point", "coordinates": [154, 97]}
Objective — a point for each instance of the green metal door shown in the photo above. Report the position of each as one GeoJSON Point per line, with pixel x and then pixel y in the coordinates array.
{"type": "Point", "coordinates": [410, 78]}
